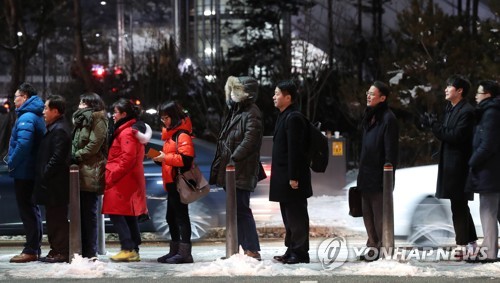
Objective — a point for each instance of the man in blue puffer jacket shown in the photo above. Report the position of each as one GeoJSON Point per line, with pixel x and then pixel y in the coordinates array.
{"type": "Point", "coordinates": [23, 148]}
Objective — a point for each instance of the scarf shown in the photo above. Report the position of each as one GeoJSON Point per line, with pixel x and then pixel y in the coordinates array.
{"type": "Point", "coordinates": [373, 114]}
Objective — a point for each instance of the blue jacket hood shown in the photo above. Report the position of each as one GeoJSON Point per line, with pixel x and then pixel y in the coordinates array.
{"type": "Point", "coordinates": [34, 105]}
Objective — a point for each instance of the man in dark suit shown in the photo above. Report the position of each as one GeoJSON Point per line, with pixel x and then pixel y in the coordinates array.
{"type": "Point", "coordinates": [290, 174]}
{"type": "Point", "coordinates": [52, 178]}
{"type": "Point", "coordinates": [455, 132]}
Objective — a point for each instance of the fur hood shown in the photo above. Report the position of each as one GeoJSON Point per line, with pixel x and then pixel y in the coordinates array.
{"type": "Point", "coordinates": [239, 89]}
{"type": "Point", "coordinates": [143, 137]}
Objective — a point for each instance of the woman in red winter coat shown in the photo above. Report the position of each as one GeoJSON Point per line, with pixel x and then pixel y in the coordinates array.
{"type": "Point", "coordinates": [177, 154]}
{"type": "Point", "coordinates": [125, 191]}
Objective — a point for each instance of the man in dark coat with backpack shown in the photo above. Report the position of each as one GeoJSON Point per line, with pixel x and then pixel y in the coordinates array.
{"type": "Point", "coordinates": [380, 145]}
{"type": "Point", "coordinates": [290, 174]}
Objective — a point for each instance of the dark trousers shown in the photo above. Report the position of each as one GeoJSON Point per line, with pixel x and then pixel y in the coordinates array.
{"type": "Point", "coordinates": [88, 216]}
{"type": "Point", "coordinates": [30, 215]}
{"type": "Point", "coordinates": [296, 221]}
{"type": "Point", "coordinates": [178, 218]}
{"type": "Point", "coordinates": [465, 231]}
{"type": "Point", "coordinates": [371, 205]}
{"type": "Point", "coordinates": [127, 228]}
{"type": "Point", "coordinates": [58, 228]}
{"type": "Point", "coordinates": [247, 231]}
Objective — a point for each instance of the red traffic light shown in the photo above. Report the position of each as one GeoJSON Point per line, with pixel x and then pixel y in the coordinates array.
{"type": "Point", "coordinates": [98, 71]}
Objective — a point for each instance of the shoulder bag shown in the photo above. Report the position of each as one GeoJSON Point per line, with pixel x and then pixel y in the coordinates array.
{"type": "Point", "coordinates": [191, 184]}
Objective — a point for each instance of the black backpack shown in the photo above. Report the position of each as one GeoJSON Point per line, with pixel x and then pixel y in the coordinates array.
{"type": "Point", "coordinates": [317, 147]}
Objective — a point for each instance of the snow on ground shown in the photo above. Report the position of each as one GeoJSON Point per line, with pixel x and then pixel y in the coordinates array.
{"type": "Point", "coordinates": [324, 211]}
{"type": "Point", "coordinates": [208, 263]}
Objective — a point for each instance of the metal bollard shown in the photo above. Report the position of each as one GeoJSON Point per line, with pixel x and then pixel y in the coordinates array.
{"type": "Point", "coordinates": [101, 232]}
{"type": "Point", "coordinates": [231, 224]}
{"type": "Point", "coordinates": [75, 228]}
{"type": "Point", "coordinates": [388, 210]}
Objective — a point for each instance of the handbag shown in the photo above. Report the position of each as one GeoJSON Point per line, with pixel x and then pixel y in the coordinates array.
{"type": "Point", "coordinates": [190, 184]}
{"type": "Point", "coordinates": [354, 196]}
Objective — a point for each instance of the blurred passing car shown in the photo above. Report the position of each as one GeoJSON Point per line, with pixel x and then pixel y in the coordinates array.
{"type": "Point", "coordinates": [419, 216]}
{"type": "Point", "coordinates": [205, 213]}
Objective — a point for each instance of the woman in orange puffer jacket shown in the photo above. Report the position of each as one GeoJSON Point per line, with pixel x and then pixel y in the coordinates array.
{"type": "Point", "coordinates": [177, 154]}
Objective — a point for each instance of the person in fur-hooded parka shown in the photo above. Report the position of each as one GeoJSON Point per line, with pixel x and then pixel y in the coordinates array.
{"type": "Point", "coordinates": [239, 143]}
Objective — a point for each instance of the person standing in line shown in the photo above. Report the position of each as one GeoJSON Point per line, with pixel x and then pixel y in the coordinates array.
{"type": "Point", "coordinates": [290, 174]}
{"type": "Point", "coordinates": [125, 191]}
{"type": "Point", "coordinates": [52, 178]}
{"type": "Point", "coordinates": [26, 135]}
{"type": "Point", "coordinates": [379, 145]}
{"type": "Point", "coordinates": [89, 151]}
{"type": "Point", "coordinates": [485, 163]}
{"type": "Point", "coordinates": [455, 132]}
{"type": "Point", "coordinates": [239, 143]}
{"type": "Point", "coordinates": [7, 120]}
{"type": "Point", "coordinates": [177, 154]}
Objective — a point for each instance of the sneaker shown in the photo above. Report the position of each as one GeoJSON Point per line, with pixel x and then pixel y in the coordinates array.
{"type": "Point", "coordinates": [253, 254]}
{"type": "Point", "coordinates": [126, 256]}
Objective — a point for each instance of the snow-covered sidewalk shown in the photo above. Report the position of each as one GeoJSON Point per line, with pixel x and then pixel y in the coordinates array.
{"type": "Point", "coordinates": [208, 264]}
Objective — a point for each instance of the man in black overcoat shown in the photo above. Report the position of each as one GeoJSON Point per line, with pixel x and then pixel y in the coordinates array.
{"type": "Point", "coordinates": [455, 132]}
{"type": "Point", "coordinates": [379, 145]}
{"type": "Point", "coordinates": [290, 174]}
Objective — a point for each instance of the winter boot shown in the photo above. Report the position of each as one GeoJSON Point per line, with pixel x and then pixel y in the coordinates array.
{"type": "Point", "coordinates": [183, 256]}
{"type": "Point", "coordinates": [174, 249]}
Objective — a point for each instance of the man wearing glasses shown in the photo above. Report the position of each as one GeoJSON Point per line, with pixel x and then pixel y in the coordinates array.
{"type": "Point", "coordinates": [23, 148]}
{"type": "Point", "coordinates": [379, 145]}
{"type": "Point", "coordinates": [484, 163]}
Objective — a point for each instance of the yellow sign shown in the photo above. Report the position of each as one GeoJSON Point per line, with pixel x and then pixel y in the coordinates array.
{"type": "Point", "coordinates": [337, 148]}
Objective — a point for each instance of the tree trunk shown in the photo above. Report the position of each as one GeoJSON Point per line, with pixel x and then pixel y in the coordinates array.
{"type": "Point", "coordinates": [17, 71]}
{"type": "Point", "coordinates": [82, 69]}
{"type": "Point", "coordinates": [475, 18]}
{"type": "Point", "coordinates": [467, 24]}
{"type": "Point", "coordinates": [360, 43]}
{"type": "Point", "coordinates": [330, 34]}
{"type": "Point", "coordinates": [287, 44]}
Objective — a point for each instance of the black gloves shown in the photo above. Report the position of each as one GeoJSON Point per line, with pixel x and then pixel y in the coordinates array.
{"type": "Point", "coordinates": [74, 160]}
{"type": "Point", "coordinates": [427, 119]}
